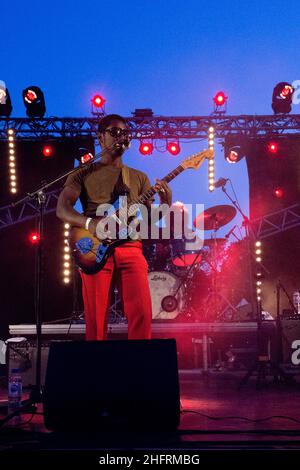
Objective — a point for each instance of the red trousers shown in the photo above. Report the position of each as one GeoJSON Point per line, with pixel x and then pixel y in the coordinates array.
{"type": "Point", "coordinates": [128, 267]}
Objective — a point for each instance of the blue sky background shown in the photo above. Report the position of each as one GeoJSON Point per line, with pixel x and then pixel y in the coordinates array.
{"type": "Point", "coordinates": [171, 56]}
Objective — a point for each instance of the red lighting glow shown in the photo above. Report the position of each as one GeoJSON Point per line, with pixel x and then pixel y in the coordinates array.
{"type": "Point", "coordinates": [232, 156]}
{"type": "Point", "coordinates": [47, 151]}
{"type": "Point", "coordinates": [98, 101]}
{"type": "Point", "coordinates": [279, 193]}
{"type": "Point", "coordinates": [220, 98]}
{"type": "Point", "coordinates": [146, 148]}
{"type": "Point", "coordinates": [286, 91]}
{"type": "Point", "coordinates": [30, 96]}
{"type": "Point", "coordinates": [173, 148]}
{"type": "Point", "coordinates": [272, 147]}
{"type": "Point", "coordinates": [87, 157]}
{"type": "Point", "coordinates": [34, 238]}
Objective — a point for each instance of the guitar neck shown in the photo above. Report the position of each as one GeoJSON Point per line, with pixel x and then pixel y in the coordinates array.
{"type": "Point", "coordinates": [150, 193]}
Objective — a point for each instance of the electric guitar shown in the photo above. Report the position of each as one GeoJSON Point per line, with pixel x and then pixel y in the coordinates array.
{"type": "Point", "coordinates": [91, 253]}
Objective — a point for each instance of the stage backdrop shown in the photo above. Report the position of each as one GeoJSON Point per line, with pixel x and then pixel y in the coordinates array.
{"type": "Point", "coordinates": [17, 252]}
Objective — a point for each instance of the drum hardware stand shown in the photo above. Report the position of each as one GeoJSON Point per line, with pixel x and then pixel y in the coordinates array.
{"type": "Point", "coordinates": [263, 362]}
{"type": "Point", "coordinates": [246, 224]}
{"type": "Point", "coordinates": [214, 295]}
{"type": "Point", "coordinates": [169, 303]}
{"type": "Point", "coordinates": [115, 315]}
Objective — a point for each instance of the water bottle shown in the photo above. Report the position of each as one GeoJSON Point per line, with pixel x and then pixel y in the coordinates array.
{"type": "Point", "coordinates": [296, 301]}
{"type": "Point", "coordinates": [14, 392]}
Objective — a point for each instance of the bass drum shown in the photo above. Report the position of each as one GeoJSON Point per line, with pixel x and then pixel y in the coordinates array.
{"type": "Point", "coordinates": [167, 300]}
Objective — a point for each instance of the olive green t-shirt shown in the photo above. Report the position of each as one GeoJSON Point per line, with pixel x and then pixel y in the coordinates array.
{"type": "Point", "coordinates": [97, 184]}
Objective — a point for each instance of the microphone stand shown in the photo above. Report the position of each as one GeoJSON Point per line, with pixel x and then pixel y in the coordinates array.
{"type": "Point", "coordinates": [40, 197]}
{"type": "Point", "coordinates": [246, 224]}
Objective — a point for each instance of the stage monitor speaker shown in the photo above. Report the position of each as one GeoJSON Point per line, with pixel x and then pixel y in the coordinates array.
{"type": "Point", "coordinates": [104, 384]}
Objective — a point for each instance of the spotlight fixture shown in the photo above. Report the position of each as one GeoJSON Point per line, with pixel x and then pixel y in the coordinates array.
{"type": "Point", "coordinates": [173, 148]}
{"type": "Point", "coordinates": [220, 102]}
{"type": "Point", "coordinates": [234, 154]}
{"type": "Point", "coordinates": [236, 148]}
{"type": "Point", "coordinates": [98, 101]}
{"type": "Point", "coordinates": [98, 108]}
{"type": "Point", "coordinates": [5, 102]}
{"type": "Point", "coordinates": [84, 155]}
{"type": "Point", "coordinates": [34, 102]}
{"type": "Point", "coordinates": [146, 148]}
{"type": "Point", "coordinates": [282, 98]}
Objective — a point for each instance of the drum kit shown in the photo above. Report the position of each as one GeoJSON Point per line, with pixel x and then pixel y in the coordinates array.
{"type": "Point", "coordinates": [184, 283]}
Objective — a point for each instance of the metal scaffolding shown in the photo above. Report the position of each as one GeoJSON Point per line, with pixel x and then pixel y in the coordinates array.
{"type": "Point", "coordinates": [10, 215]}
{"type": "Point", "coordinates": [261, 228]}
{"type": "Point", "coordinates": [276, 222]}
{"type": "Point", "coordinates": [156, 127]}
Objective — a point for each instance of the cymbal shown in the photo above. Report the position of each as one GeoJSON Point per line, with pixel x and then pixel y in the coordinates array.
{"type": "Point", "coordinates": [215, 217]}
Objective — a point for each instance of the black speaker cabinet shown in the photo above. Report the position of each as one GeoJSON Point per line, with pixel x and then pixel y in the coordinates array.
{"type": "Point", "coordinates": [96, 384]}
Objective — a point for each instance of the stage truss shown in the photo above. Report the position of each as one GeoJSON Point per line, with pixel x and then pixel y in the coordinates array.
{"type": "Point", "coordinates": [156, 127]}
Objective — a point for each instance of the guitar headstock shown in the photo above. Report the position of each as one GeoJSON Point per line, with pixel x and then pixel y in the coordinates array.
{"type": "Point", "coordinates": [197, 159]}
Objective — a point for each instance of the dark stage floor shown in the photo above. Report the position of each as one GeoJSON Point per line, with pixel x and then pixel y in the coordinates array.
{"type": "Point", "coordinates": [216, 418]}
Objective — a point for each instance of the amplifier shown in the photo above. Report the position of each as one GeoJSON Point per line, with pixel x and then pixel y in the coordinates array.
{"type": "Point", "coordinates": [290, 334]}
{"type": "Point", "coordinates": [23, 356]}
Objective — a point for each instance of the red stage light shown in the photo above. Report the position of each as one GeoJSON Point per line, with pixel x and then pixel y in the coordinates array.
{"type": "Point", "coordinates": [232, 156]}
{"type": "Point", "coordinates": [146, 148]}
{"type": "Point", "coordinates": [286, 91]}
{"type": "Point", "coordinates": [173, 148]}
{"type": "Point", "coordinates": [86, 157]}
{"type": "Point", "coordinates": [220, 98]}
{"type": "Point", "coordinates": [34, 237]}
{"type": "Point", "coordinates": [279, 193]}
{"type": "Point", "coordinates": [98, 101]}
{"type": "Point", "coordinates": [30, 96]}
{"type": "Point", "coordinates": [272, 147]}
{"type": "Point", "coordinates": [47, 151]}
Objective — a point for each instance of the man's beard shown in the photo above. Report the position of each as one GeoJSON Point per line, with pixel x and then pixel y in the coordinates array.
{"type": "Point", "coordinates": [118, 151]}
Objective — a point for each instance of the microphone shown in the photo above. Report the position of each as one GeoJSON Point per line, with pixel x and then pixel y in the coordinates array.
{"type": "Point", "coordinates": [220, 183]}
{"type": "Point", "coordinates": [126, 144]}
{"type": "Point", "coordinates": [231, 231]}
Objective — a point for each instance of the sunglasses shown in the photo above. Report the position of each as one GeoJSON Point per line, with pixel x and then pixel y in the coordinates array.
{"type": "Point", "coordinates": [118, 132]}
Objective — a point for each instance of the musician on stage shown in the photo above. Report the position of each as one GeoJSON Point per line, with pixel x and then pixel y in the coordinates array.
{"type": "Point", "coordinates": [101, 183]}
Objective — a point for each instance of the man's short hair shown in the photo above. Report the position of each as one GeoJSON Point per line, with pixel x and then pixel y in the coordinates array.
{"type": "Point", "coordinates": [107, 120]}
